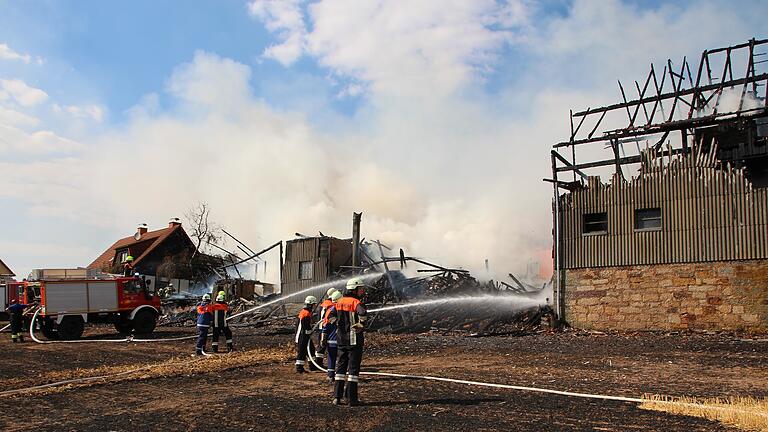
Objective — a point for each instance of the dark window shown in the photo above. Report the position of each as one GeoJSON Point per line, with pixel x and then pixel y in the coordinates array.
{"type": "Point", "coordinates": [648, 219]}
{"type": "Point", "coordinates": [595, 223]}
{"type": "Point", "coordinates": [305, 270]}
{"type": "Point", "coordinates": [122, 255]}
{"type": "Point", "coordinates": [131, 287]}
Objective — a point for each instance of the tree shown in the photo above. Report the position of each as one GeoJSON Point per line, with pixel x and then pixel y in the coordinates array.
{"type": "Point", "coordinates": [202, 230]}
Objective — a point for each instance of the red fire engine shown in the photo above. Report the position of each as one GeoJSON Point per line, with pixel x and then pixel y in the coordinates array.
{"type": "Point", "coordinates": [67, 304]}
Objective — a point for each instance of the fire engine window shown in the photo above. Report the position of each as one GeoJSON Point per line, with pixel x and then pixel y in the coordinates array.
{"type": "Point", "coordinates": [131, 287]}
{"type": "Point", "coordinates": [647, 219]}
{"type": "Point", "coordinates": [596, 223]}
{"type": "Point", "coordinates": [305, 270]}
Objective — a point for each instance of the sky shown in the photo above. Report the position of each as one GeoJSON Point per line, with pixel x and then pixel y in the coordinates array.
{"type": "Point", "coordinates": [432, 117]}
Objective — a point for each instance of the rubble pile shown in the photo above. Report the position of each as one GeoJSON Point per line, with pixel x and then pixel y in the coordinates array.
{"type": "Point", "coordinates": [471, 317]}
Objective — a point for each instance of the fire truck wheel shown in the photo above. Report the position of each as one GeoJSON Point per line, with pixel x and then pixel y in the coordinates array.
{"type": "Point", "coordinates": [71, 327]}
{"type": "Point", "coordinates": [124, 326]}
{"type": "Point", "coordinates": [144, 321]}
{"type": "Point", "coordinates": [46, 327]}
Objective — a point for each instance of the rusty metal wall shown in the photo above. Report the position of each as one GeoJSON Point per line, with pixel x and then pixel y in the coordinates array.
{"type": "Point", "coordinates": [709, 212]}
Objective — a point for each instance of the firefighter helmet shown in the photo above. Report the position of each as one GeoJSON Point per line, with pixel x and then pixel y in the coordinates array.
{"type": "Point", "coordinates": [336, 296]}
{"type": "Point", "coordinates": [330, 292]}
{"type": "Point", "coordinates": [206, 297]}
{"type": "Point", "coordinates": [310, 300]}
{"type": "Point", "coordinates": [353, 285]}
{"type": "Point", "coordinates": [128, 258]}
{"type": "Point", "coordinates": [220, 297]}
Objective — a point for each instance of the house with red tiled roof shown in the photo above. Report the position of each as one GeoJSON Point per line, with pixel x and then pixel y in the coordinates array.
{"type": "Point", "coordinates": [163, 256]}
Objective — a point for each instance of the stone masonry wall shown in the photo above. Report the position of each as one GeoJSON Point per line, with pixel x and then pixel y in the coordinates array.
{"type": "Point", "coordinates": [731, 295]}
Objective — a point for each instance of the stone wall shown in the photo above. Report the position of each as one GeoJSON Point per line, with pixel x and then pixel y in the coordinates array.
{"type": "Point", "coordinates": [730, 295]}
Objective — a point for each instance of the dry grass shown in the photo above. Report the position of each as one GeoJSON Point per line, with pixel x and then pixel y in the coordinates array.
{"type": "Point", "coordinates": [743, 412]}
{"type": "Point", "coordinates": [173, 367]}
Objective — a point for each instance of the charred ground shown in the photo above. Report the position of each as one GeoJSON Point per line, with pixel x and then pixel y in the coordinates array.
{"type": "Point", "coordinates": [268, 394]}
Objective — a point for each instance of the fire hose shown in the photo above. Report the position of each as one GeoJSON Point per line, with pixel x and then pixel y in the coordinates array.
{"type": "Point", "coordinates": [126, 339]}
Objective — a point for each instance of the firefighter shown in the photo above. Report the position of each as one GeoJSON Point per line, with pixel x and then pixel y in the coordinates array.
{"type": "Point", "coordinates": [16, 313]}
{"type": "Point", "coordinates": [204, 318]}
{"type": "Point", "coordinates": [324, 307]}
{"type": "Point", "coordinates": [304, 333]}
{"type": "Point", "coordinates": [128, 266]}
{"type": "Point", "coordinates": [220, 310]}
{"type": "Point", "coordinates": [328, 337]}
{"type": "Point", "coordinates": [349, 314]}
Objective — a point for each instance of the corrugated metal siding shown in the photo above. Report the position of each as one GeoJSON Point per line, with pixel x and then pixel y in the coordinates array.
{"type": "Point", "coordinates": [709, 213]}
{"type": "Point", "coordinates": [304, 250]}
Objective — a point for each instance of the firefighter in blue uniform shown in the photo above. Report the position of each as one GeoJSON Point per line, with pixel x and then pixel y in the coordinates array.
{"type": "Point", "coordinates": [328, 336]}
{"type": "Point", "coordinates": [16, 314]}
{"type": "Point", "coordinates": [204, 319]}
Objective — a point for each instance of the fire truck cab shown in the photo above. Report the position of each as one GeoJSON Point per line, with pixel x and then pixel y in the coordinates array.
{"type": "Point", "coordinates": [67, 304]}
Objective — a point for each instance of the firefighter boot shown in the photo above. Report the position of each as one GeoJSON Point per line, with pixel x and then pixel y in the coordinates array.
{"type": "Point", "coordinates": [21, 337]}
{"type": "Point", "coordinates": [14, 337]}
{"type": "Point", "coordinates": [215, 347]}
{"type": "Point", "coordinates": [319, 360]}
{"type": "Point", "coordinates": [352, 394]}
{"type": "Point", "coordinates": [338, 392]}
{"type": "Point", "coordinates": [312, 367]}
{"type": "Point", "coordinates": [230, 346]}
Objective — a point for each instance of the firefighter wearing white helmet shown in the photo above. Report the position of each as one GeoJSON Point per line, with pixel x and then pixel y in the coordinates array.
{"type": "Point", "coordinates": [303, 335]}
{"type": "Point", "coordinates": [349, 314]}
{"type": "Point", "coordinates": [324, 307]}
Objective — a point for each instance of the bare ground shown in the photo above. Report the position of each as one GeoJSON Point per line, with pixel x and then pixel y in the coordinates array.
{"type": "Point", "coordinates": [267, 394]}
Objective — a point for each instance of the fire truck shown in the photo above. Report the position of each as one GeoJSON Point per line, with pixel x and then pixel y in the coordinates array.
{"type": "Point", "coordinates": [66, 305]}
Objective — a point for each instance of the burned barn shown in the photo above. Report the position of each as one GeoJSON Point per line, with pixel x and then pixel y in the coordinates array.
{"type": "Point", "coordinates": [677, 237]}
{"type": "Point", "coordinates": [312, 261]}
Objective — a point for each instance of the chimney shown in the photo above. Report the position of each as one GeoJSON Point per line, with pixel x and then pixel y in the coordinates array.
{"type": "Point", "coordinates": [174, 223]}
{"type": "Point", "coordinates": [142, 229]}
{"type": "Point", "coordinates": [356, 240]}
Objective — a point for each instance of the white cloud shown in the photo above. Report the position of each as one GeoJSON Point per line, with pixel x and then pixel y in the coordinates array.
{"type": "Point", "coordinates": [16, 118]}
{"type": "Point", "coordinates": [89, 111]}
{"type": "Point", "coordinates": [19, 91]}
{"type": "Point", "coordinates": [6, 53]}
{"type": "Point", "coordinates": [397, 47]}
{"type": "Point", "coordinates": [42, 142]}
{"type": "Point", "coordinates": [192, 83]}
{"type": "Point", "coordinates": [285, 18]}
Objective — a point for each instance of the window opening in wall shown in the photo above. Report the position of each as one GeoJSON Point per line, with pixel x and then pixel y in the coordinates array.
{"type": "Point", "coordinates": [305, 270]}
{"type": "Point", "coordinates": [648, 219]}
{"type": "Point", "coordinates": [122, 255]}
{"type": "Point", "coordinates": [596, 223]}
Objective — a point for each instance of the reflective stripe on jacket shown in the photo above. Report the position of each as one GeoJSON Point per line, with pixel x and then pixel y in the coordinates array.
{"type": "Point", "coordinates": [304, 326]}
{"type": "Point", "coordinates": [220, 310]}
{"type": "Point", "coordinates": [347, 314]}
